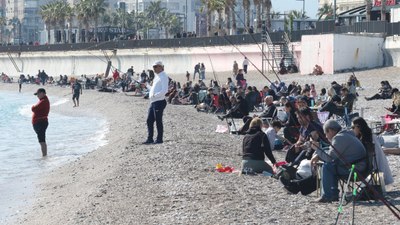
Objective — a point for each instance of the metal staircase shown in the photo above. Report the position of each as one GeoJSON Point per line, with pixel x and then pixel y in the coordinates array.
{"type": "Point", "coordinates": [270, 62]}
{"type": "Point", "coordinates": [273, 52]}
{"type": "Point", "coordinates": [13, 62]}
{"type": "Point", "coordinates": [289, 57]}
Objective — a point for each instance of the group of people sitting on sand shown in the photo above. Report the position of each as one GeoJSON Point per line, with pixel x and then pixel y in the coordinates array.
{"type": "Point", "coordinates": [308, 140]}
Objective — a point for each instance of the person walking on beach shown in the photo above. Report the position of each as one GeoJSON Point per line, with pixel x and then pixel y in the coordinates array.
{"type": "Point", "coordinates": [187, 76]}
{"type": "Point", "coordinates": [39, 118]}
{"type": "Point", "coordinates": [21, 80]}
{"type": "Point", "coordinates": [157, 104]}
{"type": "Point", "coordinates": [235, 69]}
{"type": "Point", "coordinates": [196, 70]}
{"type": "Point", "coordinates": [76, 92]}
{"type": "Point", "coordinates": [245, 64]}
{"type": "Point", "coordinates": [202, 71]}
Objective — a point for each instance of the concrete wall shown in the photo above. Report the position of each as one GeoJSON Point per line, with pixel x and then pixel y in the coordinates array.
{"type": "Point", "coordinates": [338, 52]}
{"type": "Point", "coordinates": [316, 49]}
{"type": "Point", "coordinates": [356, 51]}
{"type": "Point", "coordinates": [392, 48]}
{"type": "Point", "coordinates": [176, 61]}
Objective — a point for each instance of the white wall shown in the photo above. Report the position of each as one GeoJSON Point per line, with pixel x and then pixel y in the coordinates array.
{"type": "Point", "coordinates": [316, 49]}
{"type": "Point", "coordinates": [356, 51]}
{"type": "Point", "coordinates": [392, 46]}
{"type": "Point", "coordinates": [338, 52]}
{"type": "Point", "coordinates": [394, 15]}
{"type": "Point", "coordinates": [176, 61]}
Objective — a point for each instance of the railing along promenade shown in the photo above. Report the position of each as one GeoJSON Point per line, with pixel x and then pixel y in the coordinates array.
{"type": "Point", "coordinates": [322, 27]}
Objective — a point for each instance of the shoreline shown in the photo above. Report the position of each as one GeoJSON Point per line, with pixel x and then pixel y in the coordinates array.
{"type": "Point", "coordinates": [124, 182]}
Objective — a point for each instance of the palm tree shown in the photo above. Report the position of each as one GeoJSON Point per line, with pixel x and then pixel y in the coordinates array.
{"type": "Point", "coordinates": [69, 17]}
{"type": "Point", "coordinates": [15, 24]}
{"type": "Point", "coordinates": [48, 17]}
{"type": "Point", "coordinates": [61, 9]}
{"type": "Point", "coordinates": [326, 10]}
{"type": "Point", "coordinates": [169, 22]}
{"type": "Point", "coordinates": [266, 8]}
{"type": "Point", "coordinates": [96, 9]}
{"type": "Point", "coordinates": [275, 15]}
{"type": "Point", "coordinates": [383, 10]}
{"type": "Point", "coordinates": [120, 18]}
{"type": "Point", "coordinates": [3, 24]}
{"type": "Point", "coordinates": [298, 14]}
{"type": "Point", "coordinates": [368, 8]}
{"type": "Point", "coordinates": [220, 9]}
{"type": "Point", "coordinates": [230, 16]}
{"type": "Point", "coordinates": [212, 6]}
{"type": "Point", "coordinates": [82, 13]}
{"type": "Point", "coordinates": [246, 7]}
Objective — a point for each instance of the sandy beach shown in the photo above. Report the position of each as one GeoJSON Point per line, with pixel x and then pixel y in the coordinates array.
{"type": "Point", "coordinates": [125, 182]}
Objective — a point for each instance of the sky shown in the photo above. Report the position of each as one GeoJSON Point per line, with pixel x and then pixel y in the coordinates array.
{"type": "Point", "coordinates": [311, 6]}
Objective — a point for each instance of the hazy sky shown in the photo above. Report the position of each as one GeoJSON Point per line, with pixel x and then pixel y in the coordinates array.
{"type": "Point", "coordinates": [311, 6]}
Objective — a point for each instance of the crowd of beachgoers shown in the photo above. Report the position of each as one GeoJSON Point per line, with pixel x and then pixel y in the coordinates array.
{"type": "Point", "coordinates": [281, 106]}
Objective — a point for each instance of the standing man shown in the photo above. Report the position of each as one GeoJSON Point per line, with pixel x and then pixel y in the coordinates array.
{"type": "Point", "coordinates": [39, 118]}
{"type": "Point", "coordinates": [196, 70]}
{"type": "Point", "coordinates": [245, 64]}
{"type": "Point", "coordinates": [157, 104]}
{"type": "Point", "coordinates": [235, 69]}
{"type": "Point", "coordinates": [76, 91]}
{"type": "Point", "coordinates": [21, 80]}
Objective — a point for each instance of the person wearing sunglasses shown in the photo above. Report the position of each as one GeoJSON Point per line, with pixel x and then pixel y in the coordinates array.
{"type": "Point", "coordinates": [157, 104]}
{"type": "Point", "coordinates": [364, 133]}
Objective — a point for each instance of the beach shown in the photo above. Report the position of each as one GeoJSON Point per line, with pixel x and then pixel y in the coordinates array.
{"type": "Point", "coordinates": [125, 182]}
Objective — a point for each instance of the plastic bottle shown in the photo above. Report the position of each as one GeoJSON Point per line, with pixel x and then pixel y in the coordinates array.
{"type": "Point", "coordinates": [267, 174]}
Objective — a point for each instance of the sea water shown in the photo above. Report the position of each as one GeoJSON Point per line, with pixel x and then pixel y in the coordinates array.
{"type": "Point", "coordinates": [21, 163]}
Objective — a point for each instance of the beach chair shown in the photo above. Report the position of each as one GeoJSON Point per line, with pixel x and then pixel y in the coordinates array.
{"type": "Point", "coordinates": [322, 117]}
{"type": "Point", "coordinates": [370, 176]}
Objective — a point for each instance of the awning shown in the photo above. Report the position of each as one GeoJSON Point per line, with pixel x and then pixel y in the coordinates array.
{"type": "Point", "coordinates": [358, 11]}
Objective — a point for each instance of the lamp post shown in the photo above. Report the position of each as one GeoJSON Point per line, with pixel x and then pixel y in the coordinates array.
{"type": "Point", "coordinates": [334, 11]}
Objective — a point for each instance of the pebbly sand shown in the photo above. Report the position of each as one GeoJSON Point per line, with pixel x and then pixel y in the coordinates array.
{"type": "Point", "coordinates": [125, 182]}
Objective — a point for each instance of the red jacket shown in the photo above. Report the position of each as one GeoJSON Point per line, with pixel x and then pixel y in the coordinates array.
{"type": "Point", "coordinates": [41, 110]}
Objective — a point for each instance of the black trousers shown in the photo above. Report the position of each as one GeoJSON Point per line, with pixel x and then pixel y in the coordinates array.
{"type": "Point", "coordinates": [155, 114]}
{"type": "Point", "coordinates": [40, 129]}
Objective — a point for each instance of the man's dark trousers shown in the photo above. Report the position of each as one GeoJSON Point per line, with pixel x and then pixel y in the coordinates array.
{"type": "Point", "coordinates": [155, 115]}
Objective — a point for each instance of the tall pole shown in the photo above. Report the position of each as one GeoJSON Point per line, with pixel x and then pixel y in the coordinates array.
{"type": "Point", "coordinates": [186, 11]}
{"type": "Point", "coordinates": [334, 11]}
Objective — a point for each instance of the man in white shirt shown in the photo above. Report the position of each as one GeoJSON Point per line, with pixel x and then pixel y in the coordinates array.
{"type": "Point", "coordinates": [272, 132]}
{"type": "Point", "coordinates": [245, 64]}
{"type": "Point", "coordinates": [157, 104]}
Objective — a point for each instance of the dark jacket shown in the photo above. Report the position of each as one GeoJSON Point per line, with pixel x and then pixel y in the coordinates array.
{"type": "Point", "coordinates": [256, 144]}
{"type": "Point", "coordinates": [292, 120]}
{"type": "Point", "coordinates": [270, 111]}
